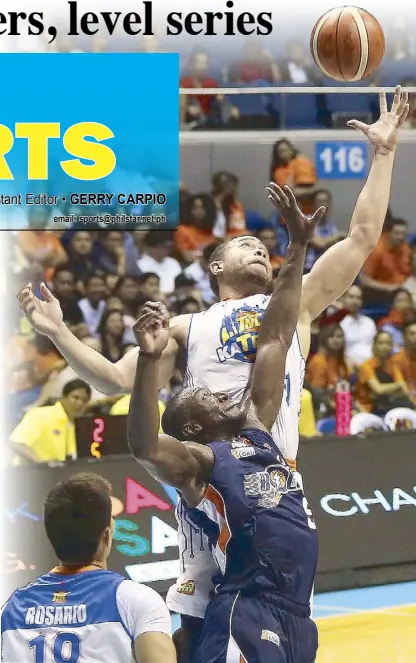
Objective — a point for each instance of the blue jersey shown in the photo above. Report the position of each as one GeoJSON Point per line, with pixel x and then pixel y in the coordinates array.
{"type": "Point", "coordinates": [258, 523]}
{"type": "Point", "coordinates": [92, 616]}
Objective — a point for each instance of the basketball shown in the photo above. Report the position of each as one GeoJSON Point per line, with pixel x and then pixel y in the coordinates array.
{"type": "Point", "coordinates": [347, 44]}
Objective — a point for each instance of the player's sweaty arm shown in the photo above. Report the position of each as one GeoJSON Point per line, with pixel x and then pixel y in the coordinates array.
{"type": "Point", "coordinates": [184, 466]}
{"type": "Point", "coordinates": [280, 318]}
{"type": "Point", "coordinates": [340, 265]}
{"type": "Point", "coordinates": [108, 378]}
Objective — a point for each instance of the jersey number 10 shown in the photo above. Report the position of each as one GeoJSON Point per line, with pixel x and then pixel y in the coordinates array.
{"type": "Point", "coordinates": [65, 647]}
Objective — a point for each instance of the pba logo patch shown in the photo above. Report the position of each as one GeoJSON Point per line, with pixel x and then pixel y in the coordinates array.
{"type": "Point", "coordinates": [187, 588]}
{"type": "Point", "coordinates": [242, 448]}
{"type": "Point", "coordinates": [59, 597]}
{"type": "Point", "coordinates": [238, 334]}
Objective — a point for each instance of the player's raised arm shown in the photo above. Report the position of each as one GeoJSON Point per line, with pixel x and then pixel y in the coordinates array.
{"type": "Point", "coordinates": [108, 378]}
{"type": "Point", "coordinates": [281, 316]}
{"type": "Point", "coordinates": [183, 466]}
{"type": "Point", "coordinates": [334, 272]}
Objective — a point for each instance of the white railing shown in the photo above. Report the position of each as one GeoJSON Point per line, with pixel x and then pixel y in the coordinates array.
{"type": "Point", "coordinates": [288, 90]}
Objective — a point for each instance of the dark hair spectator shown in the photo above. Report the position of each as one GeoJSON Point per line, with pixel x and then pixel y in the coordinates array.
{"type": "Point", "coordinates": [231, 219]}
{"type": "Point", "coordinates": [63, 286]}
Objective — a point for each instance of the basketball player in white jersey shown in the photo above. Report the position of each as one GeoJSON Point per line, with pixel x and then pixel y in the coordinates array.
{"type": "Point", "coordinates": [220, 342]}
{"type": "Point", "coordinates": [79, 612]}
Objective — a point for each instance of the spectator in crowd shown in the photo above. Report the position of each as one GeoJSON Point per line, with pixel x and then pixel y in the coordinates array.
{"type": "Point", "coordinates": [47, 434]}
{"type": "Point", "coordinates": [405, 360]}
{"type": "Point", "coordinates": [128, 289]}
{"type": "Point", "coordinates": [157, 248]}
{"type": "Point", "coordinates": [410, 283]}
{"type": "Point", "coordinates": [149, 284]}
{"type": "Point", "coordinates": [381, 385]}
{"type": "Point", "coordinates": [62, 375]}
{"type": "Point", "coordinates": [195, 228]}
{"type": "Point", "coordinates": [31, 360]}
{"type": "Point", "coordinates": [257, 64]}
{"type": "Point", "coordinates": [188, 305]}
{"type": "Point", "coordinates": [388, 266]}
{"type": "Point", "coordinates": [113, 334]}
{"type": "Point", "coordinates": [199, 272]}
{"type": "Point", "coordinates": [307, 422]}
{"type": "Point", "coordinates": [81, 255]}
{"type": "Point", "coordinates": [63, 287]}
{"type": "Point", "coordinates": [231, 219]}
{"type": "Point", "coordinates": [197, 109]}
{"type": "Point", "coordinates": [93, 304]}
{"type": "Point", "coordinates": [115, 304]}
{"type": "Point", "coordinates": [359, 330]}
{"type": "Point", "coordinates": [40, 246]}
{"type": "Point", "coordinates": [113, 258]}
{"type": "Point", "coordinates": [297, 67]}
{"type": "Point", "coordinates": [401, 312]}
{"type": "Point", "coordinates": [326, 232]}
{"type": "Point", "coordinates": [268, 236]}
{"type": "Point", "coordinates": [327, 367]}
{"type": "Point", "coordinates": [184, 289]}
{"type": "Point", "coordinates": [289, 167]}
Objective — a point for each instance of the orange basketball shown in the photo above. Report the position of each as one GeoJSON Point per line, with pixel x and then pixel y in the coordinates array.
{"type": "Point", "coordinates": [347, 44]}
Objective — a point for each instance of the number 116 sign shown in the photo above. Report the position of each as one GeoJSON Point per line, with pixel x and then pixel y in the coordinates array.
{"type": "Point", "coordinates": [341, 160]}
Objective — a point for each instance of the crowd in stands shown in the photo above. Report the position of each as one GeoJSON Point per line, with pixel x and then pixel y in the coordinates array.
{"type": "Point", "coordinates": [102, 278]}
{"type": "Point", "coordinates": [256, 62]}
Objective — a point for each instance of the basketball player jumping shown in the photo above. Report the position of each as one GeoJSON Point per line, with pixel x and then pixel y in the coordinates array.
{"type": "Point", "coordinates": [79, 612]}
{"type": "Point", "coordinates": [236, 485]}
{"type": "Point", "coordinates": [221, 342]}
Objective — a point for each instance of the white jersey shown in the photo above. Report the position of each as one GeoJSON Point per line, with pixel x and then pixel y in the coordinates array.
{"type": "Point", "coordinates": [221, 350]}
{"type": "Point", "coordinates": [89, 617]}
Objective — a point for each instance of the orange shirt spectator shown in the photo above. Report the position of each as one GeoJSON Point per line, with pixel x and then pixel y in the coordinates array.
{"type": "Point", "coordinates": [291, 168]}
{"type": "Point", "coordinates": [43, 247]}
{"type": "Point", "coordinates": [31, 361]}
{"type": "Point", "coordinates": [405, 360]}
{"type": "Point", "coordinates": [329, 364]}
{"type": "Point", "coordinates": [195, 230]}
{"type": "Point", "coordinates": [379, 375]}
{"type": "Point", "coordinates": [389, 265]}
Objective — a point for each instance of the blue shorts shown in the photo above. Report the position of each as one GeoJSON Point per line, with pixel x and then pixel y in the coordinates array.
{"type": "Point", "coordinates": [242, 629]}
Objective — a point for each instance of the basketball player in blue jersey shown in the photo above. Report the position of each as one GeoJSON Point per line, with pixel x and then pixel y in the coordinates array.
{"type": "Point", "coordinates": [221, 342]}
{"type": "Point", "coordinates": [80, 612]}
{"type": "Point", "coordinates": [236, 485]}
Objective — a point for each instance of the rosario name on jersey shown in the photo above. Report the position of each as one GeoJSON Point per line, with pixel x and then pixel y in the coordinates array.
{"type": "Point", "coordinates": [92, 616]}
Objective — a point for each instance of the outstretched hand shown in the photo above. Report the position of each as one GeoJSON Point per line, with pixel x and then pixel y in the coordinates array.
{"type": "Point", "coordinates": [301, 228]}
{"type": "Point", "coordinates": [45, 315]}
{"type": "Point", "coordinates": [152, 328]}
{"type": "Point", "coordinates": [384, 134]}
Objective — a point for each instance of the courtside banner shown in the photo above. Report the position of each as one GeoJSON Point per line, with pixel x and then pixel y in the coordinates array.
{"type": "Point", "coordinates": [362, 492]}
{"type": "Point", "coordinates": [89, 140]}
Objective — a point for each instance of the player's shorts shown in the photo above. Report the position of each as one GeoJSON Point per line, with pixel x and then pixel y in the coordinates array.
{"type": "Point", "coordinates": [242, 629]}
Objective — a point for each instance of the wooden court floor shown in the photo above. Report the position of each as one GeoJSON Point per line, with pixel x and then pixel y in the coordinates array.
{"type": "Point", "coordinates": [385, 634]}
